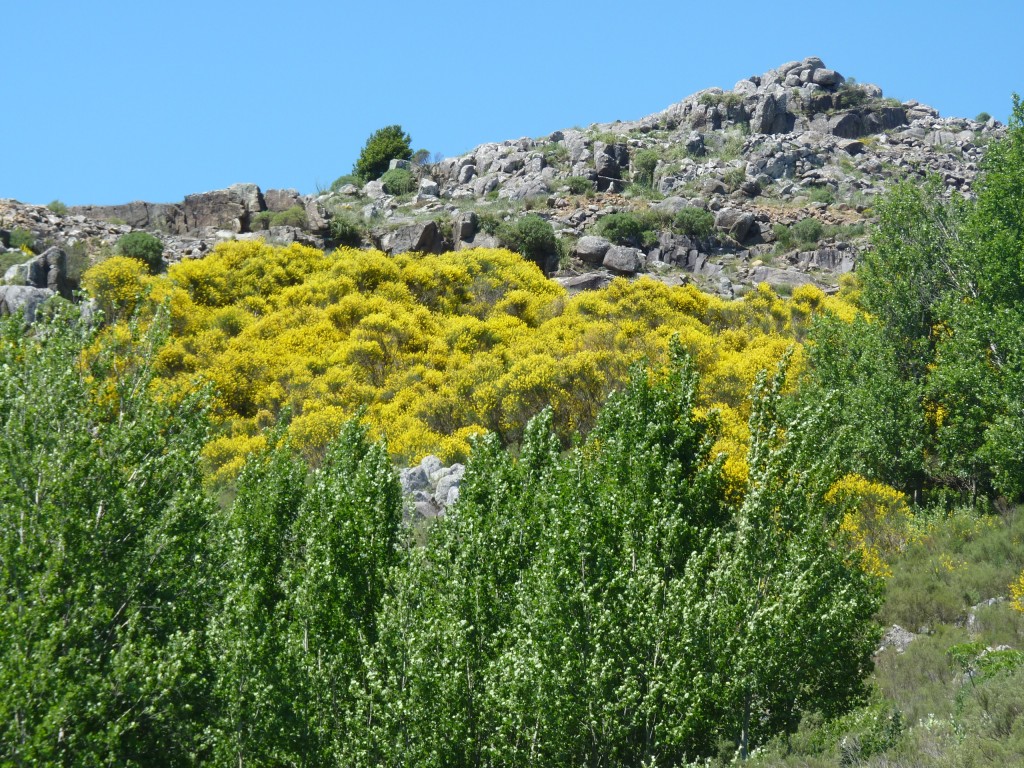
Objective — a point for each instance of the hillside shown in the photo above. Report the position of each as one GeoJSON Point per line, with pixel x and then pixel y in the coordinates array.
{"type": "Point", "coordinates": [695, 440]}
{"type": "Point", "coordinates": [787, 163]}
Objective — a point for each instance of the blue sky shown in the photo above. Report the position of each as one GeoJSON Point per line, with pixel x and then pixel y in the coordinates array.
{"type": "Point", "coordinates": [107, 102]}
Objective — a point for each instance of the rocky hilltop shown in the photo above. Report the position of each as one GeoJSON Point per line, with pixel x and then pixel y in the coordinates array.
{"type": "Point", "coordinates": [771, 181]}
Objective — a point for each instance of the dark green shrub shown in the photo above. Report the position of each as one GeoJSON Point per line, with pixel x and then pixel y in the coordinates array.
{"type": "Point", "coordinates": [23, 240]}
{"type": "Point", "coordinates": [293, 217]}
{"type": "Point", "coordinates": [820, 193]}
{"type": "Point", "coordinates": [398, 181]}
{"type": "Point", "coordinates": [57, 207]}
{"type": "Point", "coordinates": [850, 95]}
{"type": "Point", "coordinates": [808, 232]}
{"type": "Point", "coordinates": [144, 247]}
{"type": "Point", "coordinates": [579, 184]}
{"type": "Point", "coordinates": [9, 258]}
{"type": "Point", "coordinates": [644, 163]}
{"type": "Point", "coordinates": [347, 229]}
{"type": "Point", "coordinates": [260, 221]}
{"type": "Point", "coordinates": [629, 228]}
{"type": "Point", "coordinates": [489, 223]}
{"type": "Point", "coordinates": [983, 117]}
{"type": "Point", "coordinates": [386, 144]}
{"type": "Point", "coordinates": [621, 228]}
{"type": "Point", "coordinates": [695, 222]}
{"type": "Point", "coordinates": [783, 237]}
{"type": "Point", "coordinates": [531, 236]}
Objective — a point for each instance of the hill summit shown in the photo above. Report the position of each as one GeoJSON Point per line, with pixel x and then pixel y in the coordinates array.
{"type": "Point", "coordinates": [770, 181]}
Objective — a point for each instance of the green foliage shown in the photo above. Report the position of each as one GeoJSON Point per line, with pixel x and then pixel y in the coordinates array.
{"type": "Point", "coordinates": [643, 164]}
{"type": "Point", "coordinates": [106, 578]}
{"type": "Point", "coordinates": [10, 258]}
{"type": "Point", "coordinates": [143, 246]}
{"type": "Point", "coordinates": [57, 207]}
{"type": "Point", "coordinates": [579, 185]}
{"type": "Point", "coordinates": [952, 563]}
{"type": "Point", "coordinates": [590, 592]}
{"type": "Point", "coordinates": [531, 236]}
{"type": "Point", "coordinates": [695, 222]}
{"type": "Point", "coordinates": [733, 178]}
{"type": "Point", "coordinates": [347, 229]}
{"type": "Point", "coordinates": [398, 181]}
{"type": "Point", "coordinates": [23, 240]}
{"type": "Point", "coordinates": [820, 193]}
{"type": "Point", "coordinates": [982, 117]}
{"type": "Point", "coordinates": [293, 217]}
{"type": "Point", "coordinates": [728, 99]}
{"type": "Point", "coordinates": [630, 227]}
{"type": "Point", "coordinates": [341, 181]}
{"type": "Point", "coordinates": [807, 232]}
{"type": "Point", "coordinates": [383, 146]}
{"type": "Point", "coordinates": [944, 281]}
{"type": "Point", "coordinates": [555, 153]}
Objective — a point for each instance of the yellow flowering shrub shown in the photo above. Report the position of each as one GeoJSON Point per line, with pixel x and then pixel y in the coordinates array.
{"type": "Point", "coordinates": [874, 519]}
{"type": "Point", "coordinates": [436, 348]}
{"type": "Point", "coordinates": [118, 284]}
{"type": "Point", "coordinates": [1017, 593]}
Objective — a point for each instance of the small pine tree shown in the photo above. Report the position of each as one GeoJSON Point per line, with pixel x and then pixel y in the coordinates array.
{"type": "Point", "coordinates": [386, 144]}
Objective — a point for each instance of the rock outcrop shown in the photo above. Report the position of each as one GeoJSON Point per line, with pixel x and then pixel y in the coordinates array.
{"type": "Point", "coordinates": [798, 142]}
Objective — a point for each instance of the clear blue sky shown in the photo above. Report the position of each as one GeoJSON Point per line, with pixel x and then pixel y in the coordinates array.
{"type": "Point", "coordinates": [106, 102]}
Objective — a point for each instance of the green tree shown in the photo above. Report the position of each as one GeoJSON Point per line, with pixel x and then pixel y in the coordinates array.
{"type": "Point", "coordinates": [255, 723]}
{"type": "Point", "coordinates": [345, 539]}
{"type": "Point", "coordinates": [644, 163]}
{"type": "Point", "coordinates": [776, 620]}
{"type": "Point", "coordinates": [383, 146]}
{"type": "Point", "coordinates": [534, 238]}
{"type": "Point", "coordinates": [105, 580]}
{"type": "Point", "coordinates": [144, 247]}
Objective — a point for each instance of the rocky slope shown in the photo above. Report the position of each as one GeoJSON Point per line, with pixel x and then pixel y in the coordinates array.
{"type": "Point", "coordinates": [787, 164]}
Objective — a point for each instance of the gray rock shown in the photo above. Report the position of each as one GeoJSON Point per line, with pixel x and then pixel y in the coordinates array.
{"type": "Point", "coordinates": [316, 218]}
{"type": "Point", "coordinates": [897, 638]}
{"type": "Point", "coordinates": [429, 188]}
{"type": "Point", "coordinates": [281, 199]}
{"type": "Point", "coordinates": [414, 479]}
{"type": "Point", "coordinates": [592, 281]}
{"type": "Point", "coordinates": [620, 258]}
{"type": "Point", "coordinates": [466, 174]}
{"type": "Point", "coordinates": [47, 270]}
{"type": "Point", "coordinates": [228, 209]}
{"type": "Point", "coordinates": [397, 163]}
{"type": "Point", "coordinates": [374, 189]}
{"type": "Point", "coordinates": [592, 249]}
{"type": "Point", "coordinates": [445, 483]}
{"type": "Point", "coordinates": [851, 146]}
{"type": "Point", "coordinates": [23, 300]}
{"type": "Point", "coordinates": [848, 125]}
{"type": "Point", "coordinates": [734, 222]}
{"type": "Point", "coordinates": [671, 205]}
{"type": "Point", "coordinates": [465, 226]}
{"type": "Point", "coordinates": [826, 77]}
{"type": "Point", "coordinates": [431, 465]}
{"type": "Point", "coordinates": [695, 143]}
{"type": "Point", "coordinates": [776, 277]}
{"type": "Point", "coordinates": [421, 237]}
{"type": "Point", "coordinates": [426, 510]}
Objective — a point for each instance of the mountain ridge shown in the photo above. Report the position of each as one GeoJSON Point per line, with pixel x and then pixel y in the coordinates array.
{"type": "Point", "coordinates": [800, 142]}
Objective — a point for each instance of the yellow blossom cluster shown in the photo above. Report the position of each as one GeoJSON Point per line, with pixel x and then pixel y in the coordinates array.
{"type": "Point", "coordinates": [435, 348]}
{"type": "Point", "coordinates": [875, 520]}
